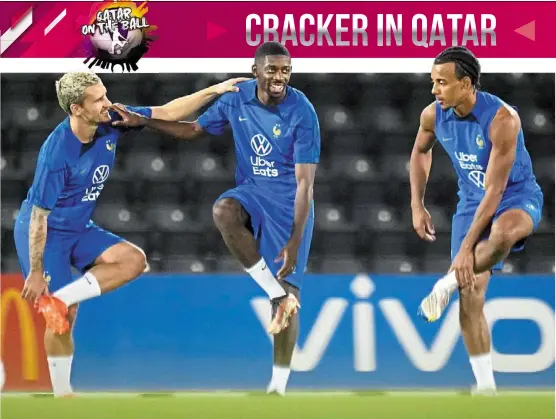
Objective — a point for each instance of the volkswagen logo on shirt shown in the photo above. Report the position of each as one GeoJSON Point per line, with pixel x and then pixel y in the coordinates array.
{"type": "Point", "coordinates": [101, 174]}
{"type": "Point", "coordinates": [260, 145]}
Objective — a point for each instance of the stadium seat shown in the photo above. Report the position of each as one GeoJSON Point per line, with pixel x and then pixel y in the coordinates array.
{"type": "Point", "coordinates": [367, 193]}
{"type": "Point", "coordinates": [229, 264]}
{"type": "Point", "coordinates": [510, 266]}
{"type": "Point", "coordinates": [336, 242]}
{"type": "Point", "coordinates": [324, 192]}
{"type": "Point", "coordinates": [436, 265]}
{"type": "Point", "coordinates": [539, 265]}
{"type": "Point", "coordinates": [121, 92]}
{"type": "Point", "coordinates": [343, 143]}
{"type": "Point", "coordinates": [13, 190]}
{"type": "Point", "coordinates": [353, 167]}
{"type": "Point", "coordinates": [120, 219]}
{"type": "Point", "coordinates": [8, 243]}
{"type": "Point", "coordinates": [176, 192]}
{"type": "Point", "coordinates": [173, 218]}
{"type": "Point", "coordinates": [540, 244]}
{"type": "Point", "coordinates": [378, 218]}
{"type": "Point", "coordinates": [332, 217]}
{"type": "Point", "coordinates": [544, 168]}
{"type": "Point", "coordinates": [395, 168]}
{"type": "Point", "coordinates": [399, 197]}
{"type": "Point", "coordinates": [385, 243]}
{"type": "Point", "coordinates": [144, 141]}
{"type": "Point", "coordinates": [179, 243]}
{"type": "Point", "coordinates": [392, 264]}
{"type": "Point", "coordinates": [28, 163]}
{"type": "Point", "coordinates": [10, 167]}
{"type": "Point", "coordinates": [10, 209]}
{"type": "Point", "coordinates": [189, 264]}
{"type": "Point", "coordinates": [204, 167]}
{"type": "Point", "coordinates": [33, 140]}
{"type": "Point", "coordinates": [150, 165]}
{"type": "Point", "coordinates": [341, 265]}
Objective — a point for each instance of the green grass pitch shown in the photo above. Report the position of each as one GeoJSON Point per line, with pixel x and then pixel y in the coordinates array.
{"type": "Point", "coordinates": [297, 404]}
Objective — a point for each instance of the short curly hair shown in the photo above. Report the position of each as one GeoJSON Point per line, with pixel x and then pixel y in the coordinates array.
{"type": "Point", "coordinates": [467, 65]}
{"type": "Point", "coordinates": [70, 88]}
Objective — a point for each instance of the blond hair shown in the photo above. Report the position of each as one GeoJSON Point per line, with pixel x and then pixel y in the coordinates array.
{"type": "Point", "coordinates": [70, 88]}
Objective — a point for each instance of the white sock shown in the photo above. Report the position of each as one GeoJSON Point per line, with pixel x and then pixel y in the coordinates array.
{"type": "Point", "coordinates": [279, 379]}
{"type": "Point", "coordinates": [482, 369]}
{"type": "Point", "coordinates": [79, 290]}
{"type": "Point", "coordinates": [447, 283]}
{"type": "Point", "coordinates": [60, 372]}
{"type": "Point", "coordinates": [262, 275]}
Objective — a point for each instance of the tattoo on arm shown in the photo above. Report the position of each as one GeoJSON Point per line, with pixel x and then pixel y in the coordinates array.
{"type": "Point", "coordinates": [37, 238]}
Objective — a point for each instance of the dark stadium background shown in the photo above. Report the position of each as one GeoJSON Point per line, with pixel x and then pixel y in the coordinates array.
{"type": "Point", "coordinates": [161, 191]}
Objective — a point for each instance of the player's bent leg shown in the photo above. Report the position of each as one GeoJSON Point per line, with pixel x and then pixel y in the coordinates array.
{"type": "Point", "coordinates": [284, 345]}
{"type": "Point", "coordinates": [59, 350]}
{"type": "Point", "coordinates": [509, 228]}
{"type": "Point", "coordinates": [476, 334]}
{"type": "Point", "coordinates": [114, 263]}
{"type": "Point", "coordinates": [118, 265]}
{"type": "Point", "coordinates": [114, 268]}
{"type": "Point", "coordinates": [232, 219]}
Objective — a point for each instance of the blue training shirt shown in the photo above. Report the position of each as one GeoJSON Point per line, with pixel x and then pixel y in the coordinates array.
{"type": "Point", "coordinates": [70, 175]}
{"type": "Point", "coordinates": [467, 142]}
{"type": "Point", "coordinates": [269, 140]}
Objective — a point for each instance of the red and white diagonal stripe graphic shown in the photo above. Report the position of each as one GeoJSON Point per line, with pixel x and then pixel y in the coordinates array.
{"type": "Point", "coordinates": [17, 29]}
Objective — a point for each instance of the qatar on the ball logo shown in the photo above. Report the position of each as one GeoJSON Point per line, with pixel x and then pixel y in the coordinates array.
{"type": "Point", "coordinates": [118, 35]}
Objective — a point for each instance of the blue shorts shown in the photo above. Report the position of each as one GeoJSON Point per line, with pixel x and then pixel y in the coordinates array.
{"type": "Point", "coordinates": [272, 220]}
{"type": "Point", "coordinates": [64, 250]}
{"type": "Point", "coordinates": [531, 203]}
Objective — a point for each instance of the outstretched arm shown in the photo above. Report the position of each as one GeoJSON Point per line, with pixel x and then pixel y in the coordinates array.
{"type": "Point", "coordinates": [180, 108]}
{"type": "Point", "coordinates": [181, 130]}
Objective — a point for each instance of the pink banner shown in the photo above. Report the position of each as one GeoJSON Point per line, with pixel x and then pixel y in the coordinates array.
{"type": "Point", "coordinates": [309, 30]}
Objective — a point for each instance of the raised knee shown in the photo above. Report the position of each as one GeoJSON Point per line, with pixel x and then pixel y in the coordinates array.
{"type": "Point", "coordinates": [224, 212]}
{"type": "Point", "coordinates": [137, 260]}
{"type": "Point", "coordinates": [503, 241]}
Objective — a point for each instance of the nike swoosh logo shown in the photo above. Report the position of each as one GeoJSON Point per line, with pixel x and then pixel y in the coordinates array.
{"type": "Point", "coordinates": [242, 119]}
{"type": "Point", "coordinates": [447, 139]}
{"type": "Point", "coordinates": [264, 267]}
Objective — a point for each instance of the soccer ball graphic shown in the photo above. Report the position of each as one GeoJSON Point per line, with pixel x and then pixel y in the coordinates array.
{"type": "Point", "coordinates": [118, 43]}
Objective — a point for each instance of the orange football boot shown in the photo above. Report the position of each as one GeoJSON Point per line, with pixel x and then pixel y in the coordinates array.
{"type": "Point", "coordinates": [55, 314]}
{"type": "Point", "coordinates": [284, 310]}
